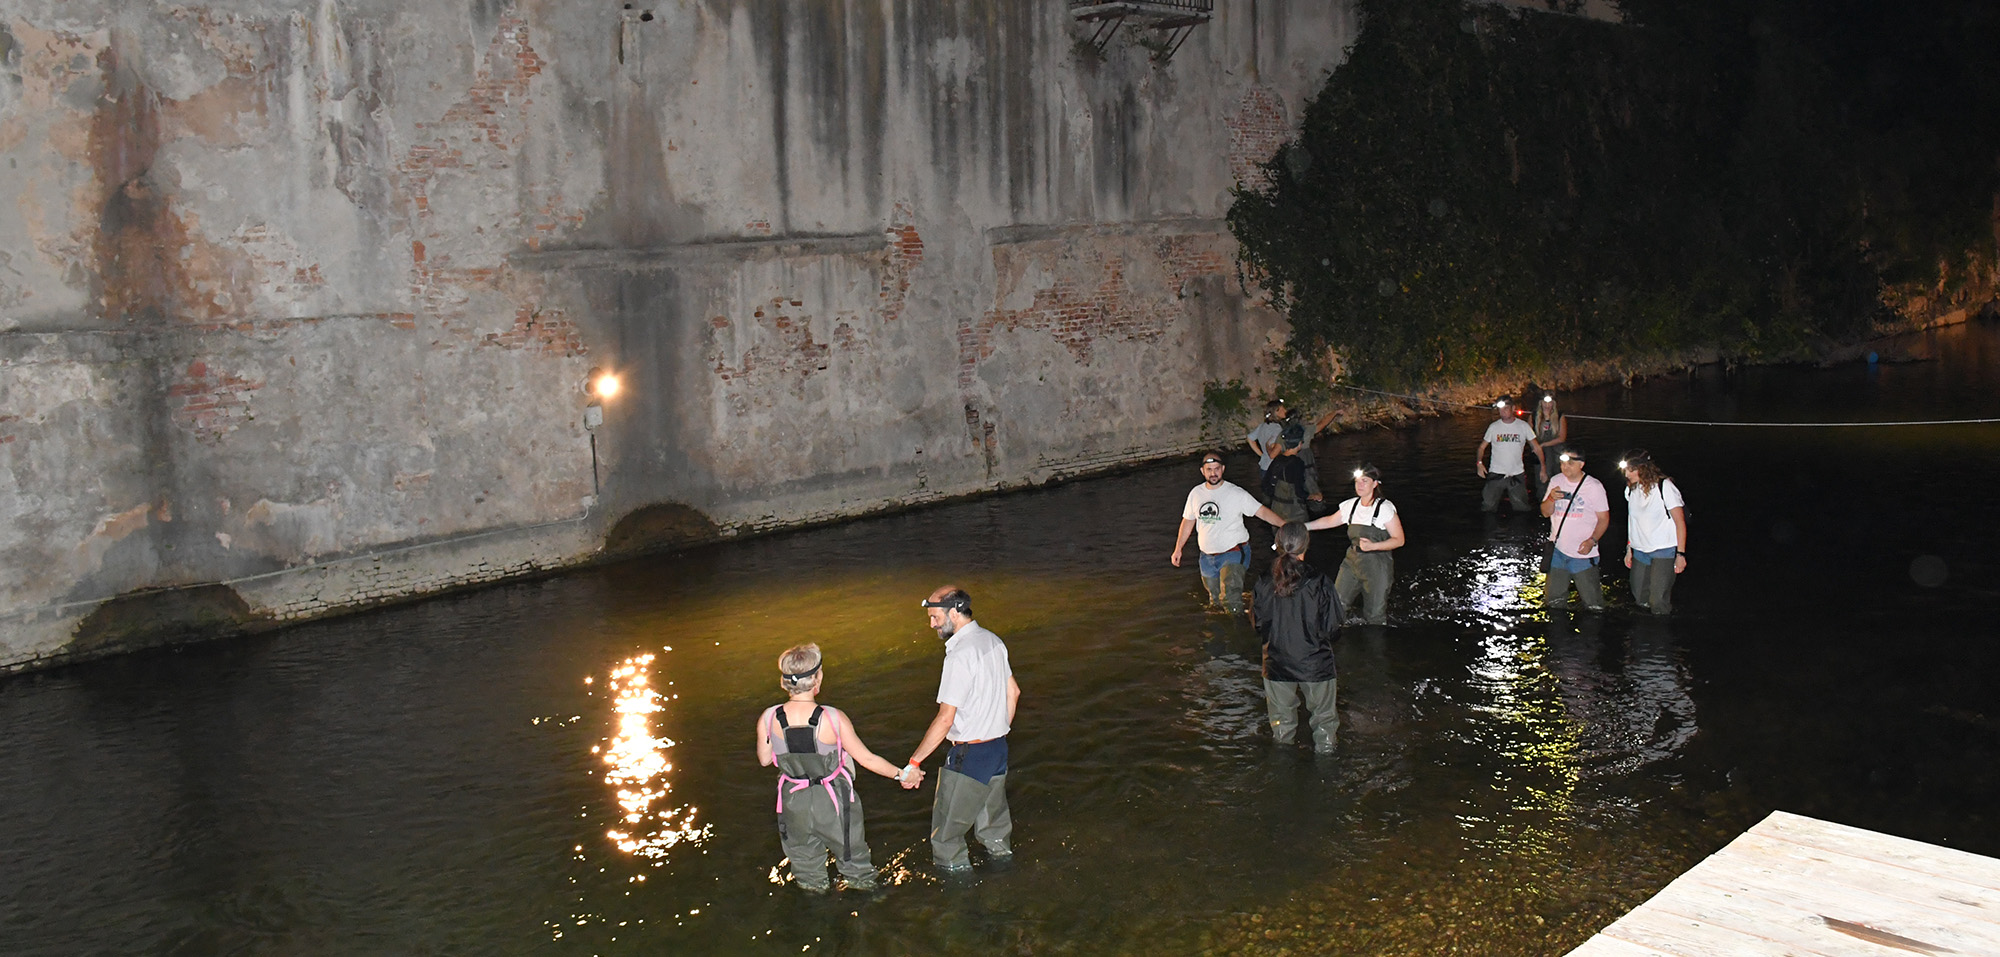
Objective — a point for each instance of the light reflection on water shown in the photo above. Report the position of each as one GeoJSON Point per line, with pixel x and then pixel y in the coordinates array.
{"type": "Point", "coordinates": [639, 767]}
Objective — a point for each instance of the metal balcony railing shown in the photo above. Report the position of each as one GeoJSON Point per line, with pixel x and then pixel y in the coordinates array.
{"type": "Point", "coordinates": [1175, 20]}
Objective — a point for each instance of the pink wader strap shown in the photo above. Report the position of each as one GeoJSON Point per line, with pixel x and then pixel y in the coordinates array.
{"type": "Point", "coordinates": [839, 771]}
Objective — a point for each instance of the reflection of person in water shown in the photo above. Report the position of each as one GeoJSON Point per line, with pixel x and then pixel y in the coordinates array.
{"type": "Point", "coordinates": [1374, 532]}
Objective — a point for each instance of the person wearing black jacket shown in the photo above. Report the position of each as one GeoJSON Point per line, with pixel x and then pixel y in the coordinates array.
{"type": "Point", "coordinates": [1297, 612]}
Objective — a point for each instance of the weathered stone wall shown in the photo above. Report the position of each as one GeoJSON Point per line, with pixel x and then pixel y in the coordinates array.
{"type": "Point", "coordinates": [297, 298]}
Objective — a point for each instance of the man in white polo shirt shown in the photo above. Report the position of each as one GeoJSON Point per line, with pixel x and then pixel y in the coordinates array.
{"type": "Point", "coordinates": [1214, 514]}
{"type": "Point", "coordinates": [976, 699]}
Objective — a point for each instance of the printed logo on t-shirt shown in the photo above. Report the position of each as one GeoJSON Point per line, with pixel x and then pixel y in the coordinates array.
{"type": "Point", "coordinates": [1507, 437]}
{"type": "Point", "coordinates": [1209, 514]}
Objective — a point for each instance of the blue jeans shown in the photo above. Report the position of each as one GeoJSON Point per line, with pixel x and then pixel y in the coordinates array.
{"type": "Point", "coordinates": [1222, 575]}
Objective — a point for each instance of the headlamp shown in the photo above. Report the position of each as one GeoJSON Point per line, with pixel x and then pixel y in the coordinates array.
{"type": "Point", "coordinates": [1623, 465]}
{"type": "Point", "coordinates": [1358, 473]}
{"type": "Point", "coordinates": [1499, 403]}
{"type": "Point", "coordinates": [1566, 457]}
{"type": "Point", "coordinates": [1548, 398]}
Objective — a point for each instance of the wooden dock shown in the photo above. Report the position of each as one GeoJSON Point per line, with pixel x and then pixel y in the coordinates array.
{"type": "Point", "coordinates": [1797, 887]}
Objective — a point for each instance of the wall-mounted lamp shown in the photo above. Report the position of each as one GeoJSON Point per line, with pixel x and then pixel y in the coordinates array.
{"type": "Point", "coordinates": [599, 385]}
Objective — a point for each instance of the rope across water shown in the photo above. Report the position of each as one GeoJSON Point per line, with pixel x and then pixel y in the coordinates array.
{"type": "Point", "coordinates": [1746, 425]}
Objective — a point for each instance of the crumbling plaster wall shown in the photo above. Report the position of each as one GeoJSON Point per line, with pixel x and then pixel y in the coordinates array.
{"type": "Point", "coordinates": [298, 297]}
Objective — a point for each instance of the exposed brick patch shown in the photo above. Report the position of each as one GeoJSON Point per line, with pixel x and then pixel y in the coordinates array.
{"type": "Point", "coordinates": [757, 227]}
{"type": "Point", "coordinates": [788, 348]}
{"type": "Point", "coordinates": [1258, 129]}
{"type": "Point", "coordinates": [479, 134]}
{"type": "Point", "coordinates": [1091, 297]}
{"type": "Point", "coordinates": [784, 351]}
{"type": "Point", "coordinates": [904, 254]}
{"type": "Point", "coordinates": [212, 403]}
{"type": "Point", "coordinates": [547, 331]}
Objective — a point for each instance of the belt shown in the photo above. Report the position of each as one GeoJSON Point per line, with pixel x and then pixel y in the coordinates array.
{"type": "Point", "coordinates": [977, 741]}
{"type": "Point", "coordinates": [1238, 547]}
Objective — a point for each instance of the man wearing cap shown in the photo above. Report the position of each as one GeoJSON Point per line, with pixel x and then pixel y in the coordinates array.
{"type": "Point", "coordinates": [1579, 513]}
{"type": "Point", "coordinates": [1216, 510]}
{"type": "Point", "coordinates": [1510, 438]}
{"type": "Point", "coordinates": [976, 699]}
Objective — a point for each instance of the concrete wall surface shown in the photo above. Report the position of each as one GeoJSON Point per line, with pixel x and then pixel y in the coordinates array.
{"type": "Point", "coordinates": [298, 297]}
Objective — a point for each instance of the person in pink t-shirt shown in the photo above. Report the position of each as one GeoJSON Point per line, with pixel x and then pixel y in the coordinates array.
{"type": "Point", "coordinates": [1579, 513]}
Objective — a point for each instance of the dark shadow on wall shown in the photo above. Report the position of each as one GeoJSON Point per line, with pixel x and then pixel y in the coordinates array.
{"type": "Point", "coordinates": [146, 619]}
{"type": "Point", "coordinates": [661, 527]}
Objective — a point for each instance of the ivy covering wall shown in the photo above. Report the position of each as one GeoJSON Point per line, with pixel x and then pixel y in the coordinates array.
{"type": "Point", "coordinates": [1476, 189]}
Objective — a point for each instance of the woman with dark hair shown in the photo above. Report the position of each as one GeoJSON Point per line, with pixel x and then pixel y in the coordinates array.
{"type": "Point", "coordinates": [1656, 531]}
{"type": "Point", "coordinates": [1297, 613]}
{"type": "Point", "coordinates": [1374, 532]}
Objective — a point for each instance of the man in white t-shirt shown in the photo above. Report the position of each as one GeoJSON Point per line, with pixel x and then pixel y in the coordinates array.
{"type": "Point", "coordinates": [976, 700]}
{"type": "Point", "coordinates": [1509, 437]}
{"type": "Point", "coordinates": [1216, 510]}
{"type": "Point", "coordinates": [1579, 513]}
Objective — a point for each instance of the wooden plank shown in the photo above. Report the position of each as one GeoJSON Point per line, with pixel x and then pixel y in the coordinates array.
{"type": "Point", "coordinates": [1898, 851]}
{"type": "Point", "coordinates": [1793, 886]}
{"type": "Point", "coordinates": [1826, 927]}
{"type": "Point", "coordinates": [1691, 937]}
{"type": "Point", "coordinates": [1756, 859]}
{"type": "Point", "coordinates": [1602, 946]}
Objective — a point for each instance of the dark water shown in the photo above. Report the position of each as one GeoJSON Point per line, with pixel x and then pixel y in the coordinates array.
{"type": "Point", "coordinates": [566, 766]}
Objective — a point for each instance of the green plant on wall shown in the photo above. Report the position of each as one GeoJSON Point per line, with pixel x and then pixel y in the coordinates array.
{"type": "Point", "coordinates": [1476, 190]}
{"type": "Point", "coordinates": [1223, 405]}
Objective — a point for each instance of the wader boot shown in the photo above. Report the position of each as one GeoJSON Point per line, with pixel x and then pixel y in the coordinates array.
{"type": "Point", "coordinates": [1289, 503]}
{"type": "Point", "coordinates": [1282, 700]}
{"type": "Point", "coordinates": [1232, 586]}
{"type": "Point", "coordinates": [1367, 574]}
{"type": "Point", "coordinates": [965, 803]}
{"type": "Point", "coordinates": [1589, 587]}
{"type": "Point", "coordinates": [818, 810]}
{"type": "Point", "coordinates": [1513, 486]}
{"type": "Point", "coordinates": [1653, 583]}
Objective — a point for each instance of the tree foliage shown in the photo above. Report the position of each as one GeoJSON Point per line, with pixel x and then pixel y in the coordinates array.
{"type": "Point", "coordinates": [1476, 190]}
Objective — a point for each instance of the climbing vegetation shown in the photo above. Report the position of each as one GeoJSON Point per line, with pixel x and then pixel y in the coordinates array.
{"type": "Point", "coordinates": [1477, 190]}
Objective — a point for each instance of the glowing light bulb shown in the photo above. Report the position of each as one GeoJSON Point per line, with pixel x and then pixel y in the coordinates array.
{"type": "Point", "coordinates": [605, 386]}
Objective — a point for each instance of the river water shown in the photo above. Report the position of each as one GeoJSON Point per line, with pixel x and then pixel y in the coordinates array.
{"type": "Point", "coordinates": [566, 766]}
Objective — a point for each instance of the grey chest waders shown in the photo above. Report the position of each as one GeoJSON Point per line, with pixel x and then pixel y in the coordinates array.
{"type": "Point", "coordinates": [1375, 570]}
{"type": "Point", "coordinates": [808, 767]}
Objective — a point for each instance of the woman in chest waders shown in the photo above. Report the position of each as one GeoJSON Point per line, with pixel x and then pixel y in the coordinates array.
{"type": "Point", "coordinates": [1374, 532]}
{"type": "Point", "coordinates": [815, 749]}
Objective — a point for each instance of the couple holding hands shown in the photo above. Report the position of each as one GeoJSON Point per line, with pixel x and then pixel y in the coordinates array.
{"type": "Point", "coordinates": [815, 749]}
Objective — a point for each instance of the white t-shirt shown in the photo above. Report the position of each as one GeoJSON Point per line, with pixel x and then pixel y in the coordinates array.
{"type": "Point", "coordinates": [1218, 513]}
{"type": "Point", "coordinates": [1648, 526]}
{"type": "Point", "coordinates": [1510, 443]}
{"type": "Point", "coordinates": [1369, 515]}
{"type": "Point", "coordinates": [975, 682]}
{"type": "Point", "coordinates": [1266, 436]}
{"type": "Point", "coordinates": [1583, 507]}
